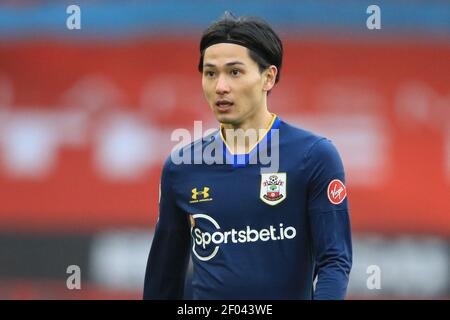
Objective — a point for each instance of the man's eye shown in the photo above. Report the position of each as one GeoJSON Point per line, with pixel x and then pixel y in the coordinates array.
{"type": "Point", "coordinates": [209, 73]}
{"type": "Point", "coordinates": [235, 72]}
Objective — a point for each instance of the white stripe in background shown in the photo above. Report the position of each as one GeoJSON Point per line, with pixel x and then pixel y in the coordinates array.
{"type": "Point", "coordinates": [410, 266]}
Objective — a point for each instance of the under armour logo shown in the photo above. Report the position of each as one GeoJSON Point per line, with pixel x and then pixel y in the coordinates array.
{"type": "Point", "coordinates": [204, 195]}
{"type": "Point", "coordinates": [196, 193]}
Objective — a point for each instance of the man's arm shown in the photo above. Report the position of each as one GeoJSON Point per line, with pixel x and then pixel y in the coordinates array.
{"type": "Point", "coordinates": [329, 221]}
{"type": "Point", "coordinates": [169, 254]}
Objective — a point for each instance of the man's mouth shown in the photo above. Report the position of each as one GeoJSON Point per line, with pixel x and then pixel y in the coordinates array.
{"type": "Point", "coordinates": [224, 105]}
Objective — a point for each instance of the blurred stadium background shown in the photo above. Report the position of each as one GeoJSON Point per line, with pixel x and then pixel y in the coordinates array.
{"type": "Point", "coordinates": [86, 117]}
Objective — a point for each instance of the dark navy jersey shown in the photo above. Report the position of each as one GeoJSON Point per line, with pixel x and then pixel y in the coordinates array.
{"type": "Point", "coordinates": [253, 233]}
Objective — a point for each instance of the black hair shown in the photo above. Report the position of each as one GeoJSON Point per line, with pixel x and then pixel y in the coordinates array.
{"type": "Point", "coordinates": [264, 45]}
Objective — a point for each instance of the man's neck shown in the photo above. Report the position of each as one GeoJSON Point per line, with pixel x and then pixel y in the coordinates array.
{"type": "Point", "coordinates": [241, 138]}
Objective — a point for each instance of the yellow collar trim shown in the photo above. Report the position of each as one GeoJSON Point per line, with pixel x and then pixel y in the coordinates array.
{"type": "Point", "coordinates": [254, 146]}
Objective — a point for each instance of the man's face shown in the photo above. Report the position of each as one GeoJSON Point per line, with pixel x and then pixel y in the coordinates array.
{"type": "Point", "coordinates": [232, 83]}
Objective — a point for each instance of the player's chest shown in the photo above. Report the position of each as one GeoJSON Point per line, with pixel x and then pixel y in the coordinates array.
{"type": "Point", "coordinates": [242, 194]}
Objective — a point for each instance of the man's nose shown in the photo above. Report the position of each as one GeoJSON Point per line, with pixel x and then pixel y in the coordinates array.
{"type": "Point", "coordinates": [222, 86]}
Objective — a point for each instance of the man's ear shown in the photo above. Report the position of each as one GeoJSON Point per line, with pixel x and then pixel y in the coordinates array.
{"type": "Point", "coordinates": [270, 74]}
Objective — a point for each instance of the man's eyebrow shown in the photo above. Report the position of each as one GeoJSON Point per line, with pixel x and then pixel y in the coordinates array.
{"type": "Point", "coordinates": [228, 64]}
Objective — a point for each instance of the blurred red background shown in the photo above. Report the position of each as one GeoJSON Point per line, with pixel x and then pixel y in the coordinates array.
{"type": "Point", "coordinates": [386, 106]}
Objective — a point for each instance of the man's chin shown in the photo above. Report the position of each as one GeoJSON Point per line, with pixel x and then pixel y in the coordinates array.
{"type": "Point", "coordinates": [226, 118]}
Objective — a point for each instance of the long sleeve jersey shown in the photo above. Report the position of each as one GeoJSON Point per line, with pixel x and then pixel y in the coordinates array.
{"type": "Point", "coordinates": [253, 233]}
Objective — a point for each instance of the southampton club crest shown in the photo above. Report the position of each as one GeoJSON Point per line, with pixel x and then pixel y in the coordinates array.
{"type": "Point", "coordinates": [273, 188]}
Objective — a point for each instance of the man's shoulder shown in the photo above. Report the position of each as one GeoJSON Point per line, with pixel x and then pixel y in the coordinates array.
{"type": "Point", "coordinates": [182, 157]}
{"type": "Point", "coordinates": [311, 147]}
{"type": "Point", "coordinates": [300, 136]}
